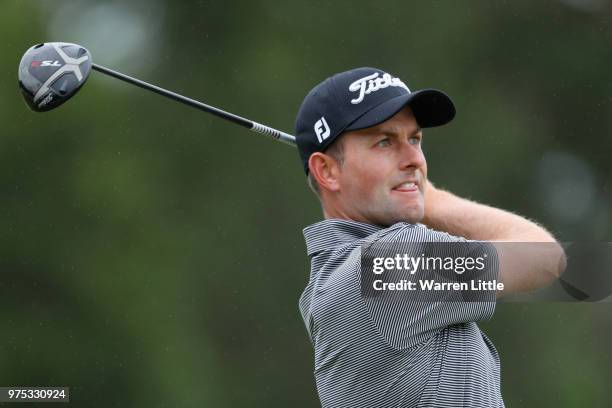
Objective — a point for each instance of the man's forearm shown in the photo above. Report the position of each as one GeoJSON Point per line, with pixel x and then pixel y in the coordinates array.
{"type": "Point", "coordinates": [522, 267]}
{"type": "Point", "coordinates": [445, 211]}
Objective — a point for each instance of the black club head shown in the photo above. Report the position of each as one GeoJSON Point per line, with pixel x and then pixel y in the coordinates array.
{"type": "Point", "coordinates": [51, 73]}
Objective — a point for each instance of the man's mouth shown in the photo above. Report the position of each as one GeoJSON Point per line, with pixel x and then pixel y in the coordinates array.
{"type": "Point", "coordinates": [407, 186]}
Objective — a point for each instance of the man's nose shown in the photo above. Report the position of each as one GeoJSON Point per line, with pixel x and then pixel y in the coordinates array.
{"type": "Point", "coordinates": [411, 156]}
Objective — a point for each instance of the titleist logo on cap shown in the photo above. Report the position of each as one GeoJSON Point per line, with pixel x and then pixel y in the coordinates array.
{"type": "Point", "coordinates": [373, 83]}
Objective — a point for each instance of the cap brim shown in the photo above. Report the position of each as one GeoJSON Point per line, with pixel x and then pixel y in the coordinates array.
{"type": "Point", "coordinates": [430, 108]}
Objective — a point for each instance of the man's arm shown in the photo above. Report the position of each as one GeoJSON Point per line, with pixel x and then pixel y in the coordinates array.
{"type": "Point", "coordinates": [522, 267]}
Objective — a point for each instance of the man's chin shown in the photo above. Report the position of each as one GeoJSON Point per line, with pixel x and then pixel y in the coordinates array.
{"type": "Point", "coordinates": [412, 210]}
{"type": "Point", "coordinates": [411, 214]}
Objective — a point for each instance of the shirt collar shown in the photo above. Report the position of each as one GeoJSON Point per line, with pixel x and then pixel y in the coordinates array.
{"type": "Point", "coordinates": [334, 232]}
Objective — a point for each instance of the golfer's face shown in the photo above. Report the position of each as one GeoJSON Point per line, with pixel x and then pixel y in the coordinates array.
{"type": "Point", "coordinates": [383, 177]}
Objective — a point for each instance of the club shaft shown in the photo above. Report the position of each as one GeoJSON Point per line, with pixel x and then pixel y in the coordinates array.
{"type": "Point", "coordinates": [249, 124]}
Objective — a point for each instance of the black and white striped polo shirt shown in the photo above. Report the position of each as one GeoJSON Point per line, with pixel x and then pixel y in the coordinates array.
{"type": "Point", "coordinates": [369, 353]}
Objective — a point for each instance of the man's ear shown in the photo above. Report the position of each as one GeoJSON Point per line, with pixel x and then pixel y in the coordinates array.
{"type": "Point", "coordinates": [325, 169]}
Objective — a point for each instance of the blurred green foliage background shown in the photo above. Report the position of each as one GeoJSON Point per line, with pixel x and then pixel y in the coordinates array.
{"type": "Point", "coordinates": [152, 255]}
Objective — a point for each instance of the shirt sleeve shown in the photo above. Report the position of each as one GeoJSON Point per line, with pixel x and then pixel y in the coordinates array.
{"type": "Point", "coordinates": [452, 282]}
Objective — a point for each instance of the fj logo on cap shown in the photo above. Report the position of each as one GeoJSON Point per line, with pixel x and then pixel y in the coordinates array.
{"type": "Point", "coordinates": [321, 129]}
{"type": "Point", "coordinates": [373, 83]}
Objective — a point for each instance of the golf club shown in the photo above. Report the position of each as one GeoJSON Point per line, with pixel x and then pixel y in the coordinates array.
{"type": "Point", "coordinates": [51, 73]}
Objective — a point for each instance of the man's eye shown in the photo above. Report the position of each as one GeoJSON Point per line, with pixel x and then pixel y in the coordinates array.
{"type": "Point", "coordinates": [383, 143]}
{"type": "Point", "coordinates": [415, 140]}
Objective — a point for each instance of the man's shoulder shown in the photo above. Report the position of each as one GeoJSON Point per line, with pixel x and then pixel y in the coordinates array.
{"type": "Point", "coordinates": [335, 234]}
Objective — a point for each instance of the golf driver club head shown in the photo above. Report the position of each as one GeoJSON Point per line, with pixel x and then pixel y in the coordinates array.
{"type": "Point", "coordinates": [51, 73]}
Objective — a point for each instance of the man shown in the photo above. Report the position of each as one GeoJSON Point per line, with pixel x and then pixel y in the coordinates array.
{"type": "Point", "coordinates": [359, 136]}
